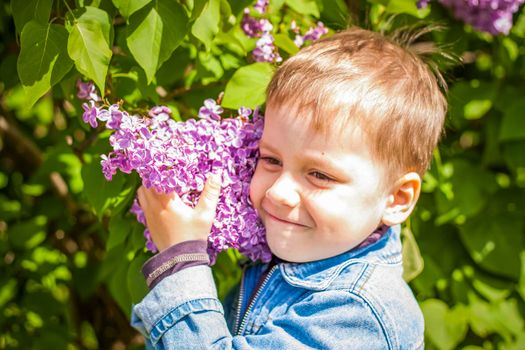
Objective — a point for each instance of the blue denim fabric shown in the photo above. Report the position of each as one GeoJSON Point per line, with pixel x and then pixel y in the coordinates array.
{"type": "Point", "coordinates": [356, 300]}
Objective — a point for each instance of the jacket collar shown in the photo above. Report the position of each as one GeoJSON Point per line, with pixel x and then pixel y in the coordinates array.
{"type": "Point", "coordinates": [317, 275]}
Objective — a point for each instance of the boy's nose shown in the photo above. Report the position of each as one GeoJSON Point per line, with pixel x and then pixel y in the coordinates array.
{"type": "Point", "coordinates": [283, 192]}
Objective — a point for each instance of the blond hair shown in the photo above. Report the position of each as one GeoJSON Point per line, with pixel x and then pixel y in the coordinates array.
{"type": "Point", "coordinates": [361, 76]}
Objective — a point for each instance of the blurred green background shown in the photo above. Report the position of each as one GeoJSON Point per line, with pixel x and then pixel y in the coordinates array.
{"type": "Point", "coordinates": [70, 252]}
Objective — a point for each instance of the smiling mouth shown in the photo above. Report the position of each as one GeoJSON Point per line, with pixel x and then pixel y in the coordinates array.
{"type": "Point", "coordinates": [274, 218]}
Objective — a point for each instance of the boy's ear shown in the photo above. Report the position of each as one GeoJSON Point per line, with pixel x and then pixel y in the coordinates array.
{"type": "Point", "coordinates": [402, 199]}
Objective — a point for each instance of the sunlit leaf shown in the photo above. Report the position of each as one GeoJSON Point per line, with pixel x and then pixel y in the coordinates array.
{"type": "Point", "coordinates": [101, 193]}
{"type": "Point", "coordinates": [413, 263]}
{"type": "Point", "coordinates": [154, 32]}
{"type": "Point", "coordinates": [305, 7]}
{"type": "Point", "coordinates": [128, 7]}
{"type": "Point", "coordinates": [43, 59]}
{"type": "Point", "coordinates": [206, 26]}
{"type": "Point", "coordinates": [89, 43]}
{"type": "Point", "coordinates": [247, 86]}
{"type": "Point", "coordinates": [444, 327]}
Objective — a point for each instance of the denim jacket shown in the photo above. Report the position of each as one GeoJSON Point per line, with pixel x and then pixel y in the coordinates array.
{"type": "Point", "coordinates": [355, 300]}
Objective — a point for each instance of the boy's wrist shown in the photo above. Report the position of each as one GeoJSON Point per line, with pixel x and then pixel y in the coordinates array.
{"type": "Point", "coordinates": [175, 258]}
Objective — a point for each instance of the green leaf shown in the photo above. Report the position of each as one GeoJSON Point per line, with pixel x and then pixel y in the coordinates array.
{"type": "Point", "coordinates": [408, 7]}
{"type": "Point", "coordinates": [521, 283]}
{"type": "Point", "coordinates": [7, 291]}
{"type": "Point", "coordinates": [118, 285]}
{"type": "Point", "coordinates": [154, 32]}
{"type": "Point", "coordinates": [206, 26]}
{"type": "Point", "coordinates": [471, 99]}
{"type": "Point", "coordinates": [494, 241]}
{"type": "Point", "coordinates": [284, 42]}
{"type": "Point", "coordinates": [196, 7]}
{"type": "Point", "coordinates": [501, 317]}
{"type": "Point", "coordinates": [513, 124]}
{"type": "Point", "coordinates": [334, 13]}
{"type": "Point", "coordinates": [100, 193]}
{"type": "Point", "coordinates": [27, 10]}
{"type": "Point", "coordinates": [445, 327]}
{"type": "Point", "coordinates": [476, 109]}
{"type": "Point", "coordinates": [43, 59]}
{"type": "Point", "coordinates": [413, 263]}
{"type": "Point", "coordinates": [89, 43]}
{"type": "Point", "coordinates": [514, 154]}
{"type": "Point", "coordinates": [136, 283]}
{"type": "Point", "coordinates": [304, 7]}
{"type": "Point", "coordinates": [247, 87]}
{"type": "Point", "coordinates": [28, 234]}
{"type": "Point", "coordinates": [129, 7]}
{"type": "Point", "coordinates": [466, 192]}
{"type": "Point", "coordinates": [119, 229]}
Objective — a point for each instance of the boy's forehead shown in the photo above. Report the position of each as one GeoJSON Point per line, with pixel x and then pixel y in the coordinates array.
{"type": "Point", "coordinates": [330, 123]}
{"type": "Point", "coordinates": [338, 134]}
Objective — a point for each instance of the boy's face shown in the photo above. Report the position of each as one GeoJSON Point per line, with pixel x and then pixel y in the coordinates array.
{"type": "Point", "coordinates": [318, 196]}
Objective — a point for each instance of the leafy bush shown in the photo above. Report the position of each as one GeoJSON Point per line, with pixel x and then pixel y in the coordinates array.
{"type": "Point", "coordinates": [70, 250]}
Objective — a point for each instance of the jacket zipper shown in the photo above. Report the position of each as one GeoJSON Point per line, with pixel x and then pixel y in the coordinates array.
{"type": "Point", "coordinates": [239, 304]}
{"type": "Point", "coordinates": [252, 302]}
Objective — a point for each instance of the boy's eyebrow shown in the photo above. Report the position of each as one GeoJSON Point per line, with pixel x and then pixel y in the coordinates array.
{"type": "Point", "coordinates": [325, 162]}
{"type": "Point", "coordinates": [266, 145]}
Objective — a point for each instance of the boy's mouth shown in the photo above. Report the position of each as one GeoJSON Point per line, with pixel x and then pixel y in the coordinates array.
{"type": "Point", "coordinates": [283, 221]}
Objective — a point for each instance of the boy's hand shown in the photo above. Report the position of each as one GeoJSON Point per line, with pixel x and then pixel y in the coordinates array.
{"type": "Point", "coordinates": [170, 221]}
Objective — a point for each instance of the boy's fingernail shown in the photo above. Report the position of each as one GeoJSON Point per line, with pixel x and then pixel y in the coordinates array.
{"type": "Point", "coordinates": [215, 179]}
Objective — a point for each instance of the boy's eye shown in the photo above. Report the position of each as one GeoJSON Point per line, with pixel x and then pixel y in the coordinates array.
{"type": "Point", "coordinates": [270, 161]}
{"type": "Point", "coordinates": [320, 176]}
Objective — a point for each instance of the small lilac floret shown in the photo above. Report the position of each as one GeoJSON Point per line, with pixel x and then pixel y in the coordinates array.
{"type": "Point", "coordinates": [261, 6]}
{"type": "Point", "coordinates": [87, 91]}
{"type": "Point", "coordinates": [311, 34]}
{"type": "Point", "coordinates": [421, 4]}
{"type": "Point", "coordinates": [90, 114]}
{"type": "Point", "coordinates": [170, 156]}
{"type": "Point", "coordinates": [265, 50]}
{"type": "Point", "coordinates": [210, 110]}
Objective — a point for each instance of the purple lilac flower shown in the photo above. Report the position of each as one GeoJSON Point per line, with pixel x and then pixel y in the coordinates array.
{"type": "Point", "coordinates": [90, 114]}
{"type": "Point", "coordinates": [170, 156]}
{"type": "Point", "coordinates": [312, 34]}
{"type": "Point", "coordinates": [261, 6]}
{"type": "Point", "coordinates": [253, 27]}
{"type": "Point", "coordinates": [210, 110]}
{"type": "Point", "coordinates": [491, 16]}
{"type": "Point", "coordinates": [422, 4]}
{"type": "Point", "coordinates": [87, 91]}
{"type": "Point", "coordinates": [265, 50]}
{"type": "Point", "coordinates": [244, 113]}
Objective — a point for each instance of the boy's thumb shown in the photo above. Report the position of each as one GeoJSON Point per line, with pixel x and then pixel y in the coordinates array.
{"type": "Point", "coordinates": [210, 194]}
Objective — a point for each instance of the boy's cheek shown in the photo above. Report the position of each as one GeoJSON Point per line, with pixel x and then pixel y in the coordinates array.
{"type": "Point", "coordinates": [256, 189]}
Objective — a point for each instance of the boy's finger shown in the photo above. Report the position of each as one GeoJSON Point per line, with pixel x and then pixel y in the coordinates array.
{"type": "Point", "coordinates": [210, 194]}
{"type": "Point", "coordinates": [141, 195]}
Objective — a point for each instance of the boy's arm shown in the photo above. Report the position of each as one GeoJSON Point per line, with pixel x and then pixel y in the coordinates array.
{"type": "Point", "coordinates": [183, 312]}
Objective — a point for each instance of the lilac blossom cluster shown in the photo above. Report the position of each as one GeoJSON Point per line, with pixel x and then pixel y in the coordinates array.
{"type": "Point", "coordinates": [491, 16]}
{"type": "Point", "coordinates": [311, 34]}
{"type": "Point", "coordinates": [178, 156]}
{"type": "Point", "coordinates": [265, 50]}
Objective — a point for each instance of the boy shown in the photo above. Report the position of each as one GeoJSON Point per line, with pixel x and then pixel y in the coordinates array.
{"type": "Point", "coordinates": [349, 129]}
